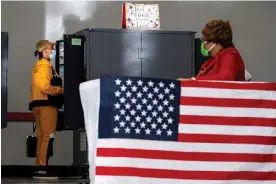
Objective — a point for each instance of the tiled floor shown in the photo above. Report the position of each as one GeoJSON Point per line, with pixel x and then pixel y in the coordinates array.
{"type": "Point", "coordinates": [34, 181]}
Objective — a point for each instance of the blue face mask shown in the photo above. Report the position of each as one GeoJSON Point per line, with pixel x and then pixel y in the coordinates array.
{"type": "Point", "coordinates": [53, 54]}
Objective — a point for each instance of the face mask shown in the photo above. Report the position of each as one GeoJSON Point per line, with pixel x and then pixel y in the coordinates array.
{"type": "Point", "coordinates": [53, 54]}
{"type": "Point", "coordinates": [205, 52]}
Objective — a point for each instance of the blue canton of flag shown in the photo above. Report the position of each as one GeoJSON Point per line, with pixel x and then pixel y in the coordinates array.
{"type": "Point", "coordinates": [139, 108]}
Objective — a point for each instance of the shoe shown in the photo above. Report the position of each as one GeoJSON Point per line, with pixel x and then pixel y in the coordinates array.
{"type": "Point", "coordinates": [44, 175]}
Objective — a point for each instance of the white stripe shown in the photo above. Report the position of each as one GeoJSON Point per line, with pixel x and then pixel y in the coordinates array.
{"type": "Point", "coordinates": [227, 130]}
{"type": "Point", "coordinates": [227, 111]}
{"type": "Point", "coordinates": [184, 165]}
{"type": "Point", "coordinates": [185, 147]}
{"type": "Point", "coordinates": [143, 180]}
{"type": "Point", "coordinates": [227, 93]}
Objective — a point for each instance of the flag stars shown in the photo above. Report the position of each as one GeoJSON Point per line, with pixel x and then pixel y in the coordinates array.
{"type": "Point", "coordinates": [140, 83]}
{"type": "Point", "coordinates": [165, 114]}
{"type": "Point", "coordinates": [153, 126]}
{"type": "Point", "coordinates": [155, 90]}
{"type": "Point", "coordinates": [158, 132]}
{"type": "Point", "coordinates": [122, 100]}
{"type": "Point", "coordinates": [132, 124]}
{"type": "Point", "coordinates": [159, 120]}
{"type": "Point", "coordinates": [128, 94]}
{"type": "Point", "coordinates": [122, 111]}
{"type": "Point", "coordinates": [139, 95]}
{"type": "Point", "coordinates": [148, 119]}
{"type": "Point", "coordinates": [118, 82]}
{"type": "Point", "coordinates": [145, 89]}
{"type": "Point", "coordinates": [144, 101]}
{"type": "Point", "coordinates": [161, 84]}
{"type": "Point", "coordinates": [143, 125]}
{"type": "Point", "coordinates": [117, 106]}
{"type": "Point", "coordinates": [169, 133]}
{"type": "Point", "coordinates": [133, 100]}
{"type": "Point", "coordinates": [150, 95]}
{"type": "Point", "coordinates": [116, 130]}
{"type": "Point", "coordinates": [117, 93]}
{"type": "Point", "coordinates": [161, 96]}
{"type": "Point", "coordinates": [150, 83]}
{"type": "Point", "coordinates": [167, 91]}
{"type": "Point", "coordinates": [160, 108]}
{"type": "Point", "coordinates": [154, 113]}
{"type": "Point", "coordinates": [134, 88]}
{"type": "Point", "coordinates": [144, 113]}
{"type": "Point", "coordinates": [127, 118]}
{"type": "Point", "coordinates": [128, 82]}
{"type": "Point", "coordinates": [116, 118]}
{"type": "Point", "coordinates": [172, 85]}
{"type": "Point", "coordinates": [139, 106]}
{"type": "Point", "coordinates": [166, 102]}
{"type": "Point", "coordinates": [138, 118]}
{"type": "Point", "coordinates": [127, 106]}
{"type": "Point", "coordinates": [127, 130]}
{"type": "Point", "coordinates": [144, 107]}
{"type": "Point", "coordinates": [171, 97]}
{"type": "Point", "coordinates": [137, 130]}
{"type": "Point", "coordinates": [164, 126]}
{"type": "Point", "coordinates": [149, 107]}
{"type": "Point", "coordinates": [122, 124]}
{"type": "Point", "coordinates": [171, 109]}
{"type": "Point", "coordinates": [132, 112]}
{"type": "Point", "coordinates": [147, 131]}
{"type": "Point", "coordinates": [123, 87]}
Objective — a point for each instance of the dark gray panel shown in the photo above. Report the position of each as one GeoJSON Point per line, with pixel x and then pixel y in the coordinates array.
{"type": "Point", "coordinates": [168, 55]}
{"type": "Point", "coordinates": [114, 53]}
{"type": "Point", "coordinates": [80, 151]}
{"type": "Point", "coordinates": [4, 78]}
{"type": "Point", "coordinates": [74, 74]}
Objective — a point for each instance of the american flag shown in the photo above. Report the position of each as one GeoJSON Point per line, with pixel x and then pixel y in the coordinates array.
{"type": "Point", "coordinates": [156, 131]}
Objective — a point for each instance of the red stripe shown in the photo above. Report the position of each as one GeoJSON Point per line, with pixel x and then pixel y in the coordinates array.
{"type": "Point", "coordinates": [219, 120]}
{"type": "Point", "coordinates": [194, 175]}
{"type": "Point", "coordinates": [231, 139]}
{"type": "Point", "coordinates": [185, 156]}
{"type": "Point", "coordinates": [224, 102]}
{"type": "Point", "coordinates": [271, 86]}
{"type": "Point", "coordinates": [20, 116]}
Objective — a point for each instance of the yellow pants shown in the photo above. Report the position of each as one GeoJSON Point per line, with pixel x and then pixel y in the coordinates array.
{"type": "Point", "coordinates": [46, 121]}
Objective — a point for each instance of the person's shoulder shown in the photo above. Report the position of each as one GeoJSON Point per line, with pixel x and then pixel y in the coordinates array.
{"type": "Point", "coordinates": [230, 50]}
{"type": "Point", "coordinates": [43, 62]}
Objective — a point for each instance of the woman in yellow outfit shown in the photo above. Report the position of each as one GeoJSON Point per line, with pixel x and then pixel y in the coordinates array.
{"type": "Point", "coordinates": [45, 100]}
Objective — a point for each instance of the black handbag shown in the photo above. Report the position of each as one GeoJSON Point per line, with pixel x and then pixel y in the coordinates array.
{"type": "Point", "coordinates": [31, 144]}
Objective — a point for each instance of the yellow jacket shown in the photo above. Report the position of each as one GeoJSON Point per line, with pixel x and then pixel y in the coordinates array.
{"type": "Point", "coordinates": [41, 78]}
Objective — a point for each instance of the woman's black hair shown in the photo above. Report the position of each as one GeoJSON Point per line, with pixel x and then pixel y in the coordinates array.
{"type": "Point", "coordinates": [39, 54]}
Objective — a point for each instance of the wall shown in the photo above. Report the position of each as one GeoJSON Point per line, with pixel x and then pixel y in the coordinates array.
{"type": "Point", "coordinates": [254, 34]}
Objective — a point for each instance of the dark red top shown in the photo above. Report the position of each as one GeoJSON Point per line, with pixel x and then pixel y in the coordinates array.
{"type": "Point", "coordinates": [227, 65]}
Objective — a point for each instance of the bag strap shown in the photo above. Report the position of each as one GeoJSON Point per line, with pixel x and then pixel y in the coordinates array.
{"type": "Point", "coordinates": [34, 127]}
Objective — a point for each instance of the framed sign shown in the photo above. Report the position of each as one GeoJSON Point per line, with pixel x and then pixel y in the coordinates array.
{"type": "Point", "coordinates": [140, 16]}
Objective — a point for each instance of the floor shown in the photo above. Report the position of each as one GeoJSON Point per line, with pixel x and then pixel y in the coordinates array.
{"type": "Point", "coordinates": [33, 181]}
